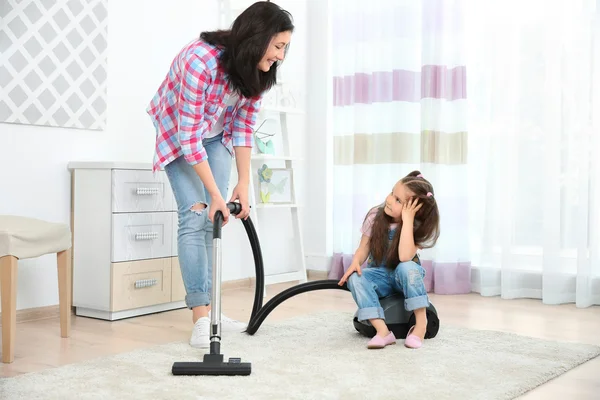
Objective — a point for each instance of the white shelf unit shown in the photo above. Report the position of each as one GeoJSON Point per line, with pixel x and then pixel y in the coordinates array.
{"type": "Point", "coordinates": [258, 207]}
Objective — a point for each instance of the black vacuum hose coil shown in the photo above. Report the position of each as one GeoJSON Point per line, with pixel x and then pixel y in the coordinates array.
{"type": "Point", "coordinates": [398, 319]}
{"type": "Point", "coordinates": [259, 271]}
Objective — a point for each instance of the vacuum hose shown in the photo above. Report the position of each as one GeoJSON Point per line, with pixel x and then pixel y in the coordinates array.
{"type": "Point", "coordinates": [236, 208]}
{"type": "Point", "coordinates": [259, 313]}
{"type": "Point", "coordinates": [256, 320]}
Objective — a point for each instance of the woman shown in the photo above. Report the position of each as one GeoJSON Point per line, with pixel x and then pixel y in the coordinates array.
{"type": "Point", "coordinates": [204, 113]}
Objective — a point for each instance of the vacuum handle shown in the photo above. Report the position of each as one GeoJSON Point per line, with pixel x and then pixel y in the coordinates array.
{"type": "Point", "coordinates": [234, 208]}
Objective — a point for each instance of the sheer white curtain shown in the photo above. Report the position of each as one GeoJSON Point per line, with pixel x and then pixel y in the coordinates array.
{"type": "Point", "coordinates": [399, 106]}
{"type": "Point", "coordinates": [534, 144]}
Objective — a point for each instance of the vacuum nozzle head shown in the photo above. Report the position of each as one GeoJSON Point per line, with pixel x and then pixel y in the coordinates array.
{"type": "Point", "coordinates": [212, 365]}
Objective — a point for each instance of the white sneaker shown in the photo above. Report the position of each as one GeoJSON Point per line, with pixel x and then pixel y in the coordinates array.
{"type": "Point", "coordinates": [200, 334]}
{"type": "Point", "coordinates": [230, 325]}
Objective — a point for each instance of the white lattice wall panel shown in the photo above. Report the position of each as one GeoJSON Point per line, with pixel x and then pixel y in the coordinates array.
{"type": "Point", "coordinates": [53, 62]}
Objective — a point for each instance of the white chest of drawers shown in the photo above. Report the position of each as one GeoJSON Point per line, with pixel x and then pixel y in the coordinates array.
{"type": "Point", "coordinates": [124, 222]}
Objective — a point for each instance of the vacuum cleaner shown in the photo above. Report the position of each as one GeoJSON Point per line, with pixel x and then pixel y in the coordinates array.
{"type": "Point", "coordinates": [397, 318]}
{"type": "Point", "coordinates": [213, 363]}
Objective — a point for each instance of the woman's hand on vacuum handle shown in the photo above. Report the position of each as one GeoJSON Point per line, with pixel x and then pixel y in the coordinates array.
{"type": "Point", "coordinates": [240, 192]}
{"type": "Point", "coordinates": [217, 203]}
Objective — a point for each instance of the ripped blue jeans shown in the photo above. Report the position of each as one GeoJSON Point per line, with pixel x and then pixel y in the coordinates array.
{"type": "Point", "coordinates": [378, 282]}
{"type": "Point", "coordinates": [194, 230]}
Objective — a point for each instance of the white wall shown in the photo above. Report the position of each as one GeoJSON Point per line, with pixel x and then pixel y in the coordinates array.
{"type": "Point", "coordinates": [141, 44]}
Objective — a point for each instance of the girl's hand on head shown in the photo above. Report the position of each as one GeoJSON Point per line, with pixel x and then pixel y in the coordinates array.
{"type": "Point", "coordinates": [410, 208]}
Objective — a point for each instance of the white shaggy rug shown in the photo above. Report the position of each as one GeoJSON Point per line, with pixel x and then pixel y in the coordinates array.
{"type": "Point", "coordinates": [319, 356]}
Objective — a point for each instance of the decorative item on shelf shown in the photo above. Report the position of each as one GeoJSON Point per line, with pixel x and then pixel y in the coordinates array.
{"type": "Point", "coordinates": [269, 99]}
{"type": "Point", "coordinates": [275, 184]}
{"type": "Point", "coordinates": [264, 147]}
{"type": "Point", "coordinates": [285, 96]}
{"type": "Point", "coordinates": [264, 179]}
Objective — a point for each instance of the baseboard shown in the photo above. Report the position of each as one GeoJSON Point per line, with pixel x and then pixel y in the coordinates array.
{"type": "Point", "coordinates": [237, 284]}
{"type": "Point", "coordinates": [48, 312]}
{"type": "Point", "coordinates": [317, 275]}
{"type": "Point", "coordinates": [37, 313]}
{"type": "Point", "coordinates": [311, 274]}
{"type": "Point", "coordinates": [318, 262]}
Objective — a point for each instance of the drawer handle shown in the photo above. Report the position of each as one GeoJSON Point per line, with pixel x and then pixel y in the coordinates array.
{"type": "Point", "coordinates": [144, 283]}
{"type": "Point", "coordinates": [146, 236]}
{"type": "Point", "coordinates": [144, 191]}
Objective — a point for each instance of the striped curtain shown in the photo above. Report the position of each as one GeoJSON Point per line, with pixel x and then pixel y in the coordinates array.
{"type": "Point", "coordinates": [400, 105]}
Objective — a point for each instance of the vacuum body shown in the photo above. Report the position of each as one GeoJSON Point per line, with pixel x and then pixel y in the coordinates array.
{"type": "Point", "coordinates": [398, 320]}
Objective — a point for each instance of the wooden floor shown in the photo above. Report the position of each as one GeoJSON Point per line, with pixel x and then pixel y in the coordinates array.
{"type": "Point", "coordinates": [39, 345]}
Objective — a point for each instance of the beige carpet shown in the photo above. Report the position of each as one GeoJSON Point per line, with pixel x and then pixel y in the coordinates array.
{"type": "Point", "coordinates": [319, 357]}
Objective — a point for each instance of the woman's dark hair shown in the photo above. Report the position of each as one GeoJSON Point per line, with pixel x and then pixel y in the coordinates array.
{"type": "Point", "coordinates": [426, 225]}
{"type": "Point", "coordinates": [245, 44]}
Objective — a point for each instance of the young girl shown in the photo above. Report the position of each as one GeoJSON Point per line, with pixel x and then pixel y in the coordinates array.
{"type": "Point", "coordinates": [407, 221]}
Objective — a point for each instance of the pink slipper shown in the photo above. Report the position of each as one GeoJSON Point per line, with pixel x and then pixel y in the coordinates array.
{"type": "Point", "coordinates": [378, 342]}
{"type": "Point", "coordinates": [412, 341]}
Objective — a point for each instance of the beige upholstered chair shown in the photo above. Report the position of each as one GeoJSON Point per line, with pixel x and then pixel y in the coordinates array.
{"type": "Point", "coordinates": [20, 238]}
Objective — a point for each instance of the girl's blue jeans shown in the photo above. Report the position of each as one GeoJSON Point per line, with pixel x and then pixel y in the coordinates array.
{"type": "Point", "coordinates": [194, 230]}
{"type": "Point", "coordinates": [378, 282]}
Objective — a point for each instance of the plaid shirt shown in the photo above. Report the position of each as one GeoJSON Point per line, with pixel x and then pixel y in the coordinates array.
{"type": "Point", "coordinates": [190, 100]}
